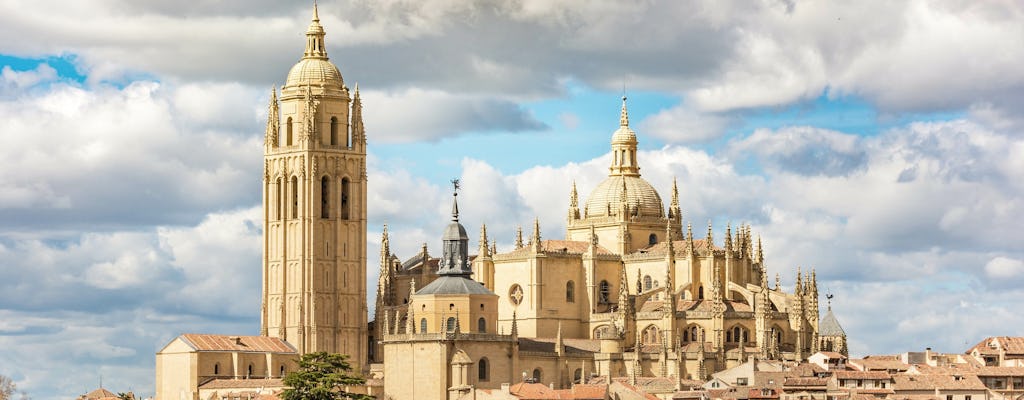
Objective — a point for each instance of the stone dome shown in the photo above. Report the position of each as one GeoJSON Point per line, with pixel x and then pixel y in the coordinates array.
{"type": "Point", "coordinates": [640, 196]}
{"type": "Point", "coordinates": [314, 71]}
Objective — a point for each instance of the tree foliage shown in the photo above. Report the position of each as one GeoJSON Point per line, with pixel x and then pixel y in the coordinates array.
{"type": "Point", "coordinates": [321, 376]}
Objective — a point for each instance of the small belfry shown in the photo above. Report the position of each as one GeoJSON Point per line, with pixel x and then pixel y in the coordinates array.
{"type": "Point", "coordinates": [314, 275]}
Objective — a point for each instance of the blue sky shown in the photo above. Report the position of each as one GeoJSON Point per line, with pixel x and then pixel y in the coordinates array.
{"type": "Point", "coordinates": [879, 143]}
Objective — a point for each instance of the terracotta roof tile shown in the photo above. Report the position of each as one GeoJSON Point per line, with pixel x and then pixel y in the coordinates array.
{"type": "Point", "coordinates": [883, 363]}
{"type": "Point", "coordinates": [877, 375]}
{"type": "Point", "coordinates": [559, 247]}
{"type": "Point", "coordinates": [207, 342]}
{"type": "Point", "coordinates": [533, 391]}
{"type": "Point", "coordinates": [1012, 345]}
{"type": "Point", "coordinates": [242, 383]}
{"type": "Point", "coordinates": [937, 381]}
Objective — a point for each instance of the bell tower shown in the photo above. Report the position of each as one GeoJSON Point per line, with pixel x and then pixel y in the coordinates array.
{"type": "Point", "coordinates": [314, 209]}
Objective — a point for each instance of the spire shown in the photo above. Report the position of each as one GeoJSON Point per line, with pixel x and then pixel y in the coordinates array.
{"type": "Point", "coordinates": [515, 326]}
{"type": "Point", "coordinates": [778, 281]}
{"type": "Point", "coordinates": [315, 38]}
{"type": "Point", "coordinates": [574, 204]}
{"type": "Point", "coordinates": [624, 292]}
{"type": "Point", "coordinates": [455, 251]}
{"type": "Point", "coordinates": [358, 131]}
{"type": "Point", "coordinates": [798, 289]}
{"type": "Point", "coordinates": [674, 212]}
{"type": "Point", "coordinates": [624, 162]}
{"type": "Point", "coordinates": [710, 241]}
{"type": "Point", "coordinates": [759, 255]}
{"type": "Point", "coordinates": [535, 238]}
{"type": "Point", "coordinates": [519, 237]}
{"type": "Point", "coordinates": [728, 237]}
{"type": "Point", "coordinates": [689, 239]}
{"type": "Point", "coordinates": [484, 249]}
{"type": "Point", "coordinates": [385, 295]}
{"type": "Point", "coordinates": [273, 119]}
{"type": "Point", "coordinates": [624, 115]}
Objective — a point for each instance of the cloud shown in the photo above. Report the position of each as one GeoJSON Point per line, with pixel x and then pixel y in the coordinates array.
{"type": "Point", "coordinates": [802, 150]}
{"type": "Point", "coordinates": [431, 115]}
{"type": "Point", "coordinates": [682, 124]}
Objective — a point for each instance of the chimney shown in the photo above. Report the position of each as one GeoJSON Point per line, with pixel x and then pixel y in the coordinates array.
{"type": "Point", "coordinates": [236, 339]}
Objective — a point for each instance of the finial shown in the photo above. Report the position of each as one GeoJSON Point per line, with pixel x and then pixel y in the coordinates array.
{"type": "Point", "coordinates": [455, 202]}
{"type": "Point", "coordinates": [412, 286]}
{"type": "Point", "coordinates": [519, 237]}
{"type": "Point", "coordinates": [624, 117]}
{"type": "Point", "coordinates": [778, 281]}
{"type": "Point", "coordinates": [728, 236]}
{"type": "Point", "coordinates": [710, 237]}
{"type": "Point", "coordinates": [316, 15]}
{"type": "Point", "coordinates": [515, 325]}
{"type": "Point", "coordinates": [828, 298]}
{"type": "Point", "coordinates": [536, 230]}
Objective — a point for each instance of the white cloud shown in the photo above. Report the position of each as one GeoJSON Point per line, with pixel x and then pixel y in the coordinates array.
{"type": "Point", "coordinates": [682, 124]}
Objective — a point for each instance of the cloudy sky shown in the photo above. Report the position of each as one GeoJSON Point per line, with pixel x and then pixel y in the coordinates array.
{"type": "Point", "coordinates": [878, 142]}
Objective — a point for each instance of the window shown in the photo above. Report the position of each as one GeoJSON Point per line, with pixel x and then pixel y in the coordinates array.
{"type": "Point", "coordinates": [295, 197]}
{"type": "Point", "coordinates": [344, 198]}
{"type": "Point", "coordinates": [604, 292]}
{"type": "Point", "coordinates": [282, 370]}
{"type": "Point", "coordinates": [423, 325]}
{"type": "Point", "coordinates": [741, 381]}
{"type": "Point", "coordinates": [949, 397]}
{"type": "Point", "coordinates": [481, 325]}
{"type": "Point", "coordinates": [967, 397]}
{"type": "Point", "coordinates": [700, 293]}
{"type": "Point", "coordinates": [577, 376]}
{"type": "Point", "coordinates": [450, 324]}
{"type": "Point", "coordinates": [288, 131]}
{"type": "Point", "coordinates": [570, 292]}
{"type": "Point", "coordinates": [325, 205]}
{"type": "Point", "coordinates": [481, 373]}
{"type": "Point", "coordinates": [334, 131]}
{"type": "Point", "coordinates": [690, 334]}
{"type": "Point", "coordinates": [451, 306]}
{"type": "Point", "coordinates": [280, 198]}
{"type": "Point", "coordinates": [650, 335]}
{"type": "Point", "coordinates": [249, 370]}
{"type": "Point", "coordinates": [647, 282]}
{"type": "Point", "coordinates": [537, 375]}
{"type": "Point", "coordinates": [216, 369]}
{"type": "Point", "coordinates": [652, 240]}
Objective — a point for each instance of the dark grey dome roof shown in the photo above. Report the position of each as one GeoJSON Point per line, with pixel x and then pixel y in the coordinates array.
{"type": "Point", "coordinates": [454, 285]}
{"type": "Point", "coordinates": [455, 231]}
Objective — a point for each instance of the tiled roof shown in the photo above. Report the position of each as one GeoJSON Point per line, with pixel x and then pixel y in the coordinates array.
{"type": "Point", "coordinates": [572, 346]}
{"type": "Point", "coordinates": [242, 383]}
{"type": "Point", "coordinates": [559, 247]}
{"type": "Point", "coordinates": [705, 305]}
{"type": "Point", "coordinates": [99, 394]}
{"type": "Point", "coordinates": [805, 381]}
{"type": "Point", "coordinates": [937, 381]}
{"type": "Point", "coordinates": [263, 344]}
{"type": "Point", "coordinates": [832, 355]}
{"type": "Point", "coordinates": [534, 391]}
{"type": "Point", "coordinates": [1013, 345]}
{"type": "Point", "coordinates": [661, 248]}
{"type": "Point", "coordinates": [583, 392]}
{"type": "Point", "coordinates": [877, 375]}
{"type": "Point", "coordinates": [999, 371]}
{"type": "Point", "coordinates": [879, 364]}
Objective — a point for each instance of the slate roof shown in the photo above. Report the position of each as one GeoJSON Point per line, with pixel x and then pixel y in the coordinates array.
{"type": "Point", "coordinates": [262, 344]}
{"type": "Point", "coordinates": [829, 326]}
{"type": "Point", "coordinates": [572, 346]}
{"type": "Point", "coordinates": [454, 285]}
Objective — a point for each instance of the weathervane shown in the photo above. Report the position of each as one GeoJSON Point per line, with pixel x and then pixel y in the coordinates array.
{"type": "Point", "coordinates": [455, 184]}
{"type": "Point", "coordinates": [828, 297]}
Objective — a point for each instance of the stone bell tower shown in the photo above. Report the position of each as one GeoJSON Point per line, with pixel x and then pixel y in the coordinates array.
{"type": "Point", "coordinates": [314, 206]}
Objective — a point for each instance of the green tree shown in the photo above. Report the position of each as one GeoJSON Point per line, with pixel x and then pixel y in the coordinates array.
{"type": "Point", "coordinates": [321, 376]}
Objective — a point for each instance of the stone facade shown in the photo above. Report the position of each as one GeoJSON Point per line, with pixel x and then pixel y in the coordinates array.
{"type": "Point", "coordinates": [314, 204]}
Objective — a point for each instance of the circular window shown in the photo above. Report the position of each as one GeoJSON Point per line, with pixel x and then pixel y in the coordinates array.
{"type": "Point", "coordinates": [515, 294]}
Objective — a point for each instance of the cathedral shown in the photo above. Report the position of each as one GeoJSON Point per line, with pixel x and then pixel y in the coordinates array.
{"type": "Point", "coordinates": [627, 292]}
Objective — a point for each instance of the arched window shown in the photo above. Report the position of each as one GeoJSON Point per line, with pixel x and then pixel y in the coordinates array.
{"type": "Point", "coordinates": [481, 325]}
{"type": "Point", "coordinates": [647, 282]}
{"type": "Point", "coordinates": [295, 197]}
{"type": "Point", "coordinates": [690, 334]}
{"type": "Point", "coordinates": [344, 198]}
{"type": "Point", "coordinates": [604, 292]}
{"type": "Point", "coordinates": [700, 293]}
{"type": "Point", "coordinates": [650, 335]}
{"type": "Point", "coordinates": [738, 334]}
{"type": "Point", "coordinates": [325, 205]}
{"type": "Point", "coordinates": [288, 131]}
{"type": "Point", "coordinates": [216, 369]}
{"type": "Point", "coordinates": [280, 198]}
{"type": "Point", "coordinates": [537, 375]}
{"type": "Point", "coordinates": [334, 131]}
{"type": "Point", "coordinates": [423, 325]}
{"type": "Point", "coordinates": [577, 376]}
{"type": "Point", "coordinates": [652, 240]}
{"type": "Point", "coordinates": [570, 292]}
{"type": "Point", "coordinates": [282, 370]}
{"type": "Point", "coordinates": [450, 324]}
{"type": "Point", "coordinates": [481, 370]}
